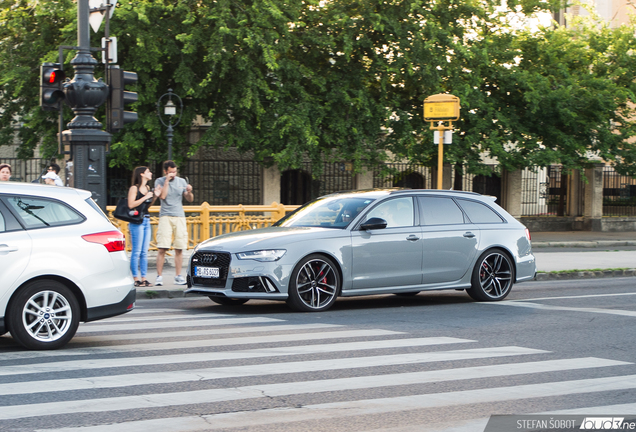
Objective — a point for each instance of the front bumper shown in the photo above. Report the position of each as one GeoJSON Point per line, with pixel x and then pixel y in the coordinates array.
{"type": "Point", "coordinates": [238, 278]}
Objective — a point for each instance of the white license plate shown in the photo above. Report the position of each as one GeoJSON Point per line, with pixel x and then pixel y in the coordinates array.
{"type": "Point", "coordinates": [206, 272]}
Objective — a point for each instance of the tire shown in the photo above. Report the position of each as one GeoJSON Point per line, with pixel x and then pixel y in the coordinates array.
{"type": "Point", "coordinates": [314, 285]}
{"type": "Point", "coordinates": [44, 315]}
{"type": "Point", "coordinates": [493, 276]}
{"type": "Point", "coordinates": [227, 301]}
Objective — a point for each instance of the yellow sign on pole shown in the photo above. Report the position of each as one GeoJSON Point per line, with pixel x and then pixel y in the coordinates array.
{"type": "Point", "coordinates": [441, 107]}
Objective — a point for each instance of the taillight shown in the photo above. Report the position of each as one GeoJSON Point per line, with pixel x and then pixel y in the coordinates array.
{"type": "Point", "coordinates": [114, 241]}
{"type": "Point", "coordinates": [528, 234]}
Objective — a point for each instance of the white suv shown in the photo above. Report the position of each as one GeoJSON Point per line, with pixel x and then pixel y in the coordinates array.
{"type": "Point", "coordinates": [61, 262]}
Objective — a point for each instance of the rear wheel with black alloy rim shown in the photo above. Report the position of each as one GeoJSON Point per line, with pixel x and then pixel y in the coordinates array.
{"type": "Point", "coordinates": [493, 276]}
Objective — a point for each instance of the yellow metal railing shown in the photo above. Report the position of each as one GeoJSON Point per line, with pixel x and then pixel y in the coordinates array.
{"type": "Point", "coordinates": [206, 221]}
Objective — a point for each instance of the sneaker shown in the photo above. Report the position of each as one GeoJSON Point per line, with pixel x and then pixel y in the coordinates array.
{"type": "Point", "coordinates": [179, 280]}
{"type": "Point", "coordinates": [159, 281]}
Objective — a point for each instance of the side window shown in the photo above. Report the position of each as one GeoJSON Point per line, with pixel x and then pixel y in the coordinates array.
{"type": "Point", "coordinates": [479, 213]}
{"type": "Point", "coordinates": [396, 212]}
{"type": "Point", "coordinates": [2, 224]}
{"type": "Point", "coordinates": [40, 212]}
{"type": "Point", "coordinates": [440, 211]}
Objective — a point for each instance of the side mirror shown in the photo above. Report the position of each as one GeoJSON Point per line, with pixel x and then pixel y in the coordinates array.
{"type": "Point", "coordinates": [374, 223]}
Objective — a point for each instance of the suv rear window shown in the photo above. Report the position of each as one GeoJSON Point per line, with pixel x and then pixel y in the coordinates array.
{"type": "Point", "coordinates": [42, 212]}
{"type": "Point", "coordinates": [479, 213]}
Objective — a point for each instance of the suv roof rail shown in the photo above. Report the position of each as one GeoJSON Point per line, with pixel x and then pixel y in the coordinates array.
{"type": "Point", "coordinates": [434, 190]}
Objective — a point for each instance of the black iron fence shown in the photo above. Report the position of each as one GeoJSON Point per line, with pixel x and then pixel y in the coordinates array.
{"type": "Point", "coordinates": [402, 175]}
{"type": "Point", "coordinates": [26, 170]}
{"type": "Point", "coordinates": [485, 184]}
{"type": "Point", "coordinates": [220, 182]}
{"type": "Point", "coordinates": [213, 181]}
{"type": "Point", "coordinates": [619, 193]}
{"type": "Point", "coordinates": [544, 191]}
{"type": "Point", "coordinates": [299, 186]}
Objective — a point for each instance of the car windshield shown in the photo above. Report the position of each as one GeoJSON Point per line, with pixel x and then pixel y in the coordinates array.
{"type": "Point", "coordinates": [326, 212]}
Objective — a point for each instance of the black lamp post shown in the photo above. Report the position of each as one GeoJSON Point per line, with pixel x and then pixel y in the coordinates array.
{"type": "Point", "coordinates": [170, 111]}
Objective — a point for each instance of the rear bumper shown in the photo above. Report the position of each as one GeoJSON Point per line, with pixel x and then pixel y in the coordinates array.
{"type": "Point", "coordinates": [101, 312]}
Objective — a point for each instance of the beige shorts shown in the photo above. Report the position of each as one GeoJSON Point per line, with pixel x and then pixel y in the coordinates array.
{"type": "Point", "coordinates": [170, 226]}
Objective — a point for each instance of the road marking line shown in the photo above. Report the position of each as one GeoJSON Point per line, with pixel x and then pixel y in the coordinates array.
{"type": "Point", "coordinates": [217, 331]}
{"type": "Point", "coordinates": [85, 364]}
{"type": "Point", "coordinates": [159, 316]}
{"type": "Point", "coordinates": [567, 308]}
{"type": "Point", "coordinates": [175, 324]}
{"type": "Point", "coordinates": [201, 343]}
{"type": "Point", "coordinates": [574, 297]}
{"type": "Point", "coordinates": [114, 381]}
{"type": "Point", "coordinates": [216, 342]}
{"type": "Point", "coordinates": [73, 349]}
{"type": "Point", "coordinates": [337, 409]}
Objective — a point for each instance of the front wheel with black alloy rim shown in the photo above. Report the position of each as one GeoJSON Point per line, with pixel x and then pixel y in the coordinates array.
{"type": "Point", "coordinates": [493, 276]}
{"type": "Point", "coordinates": [314, 284]}
{"type": "Point", "coordinates": [43, 315]}
{"type": "Point", "coordinates": [227, 301]}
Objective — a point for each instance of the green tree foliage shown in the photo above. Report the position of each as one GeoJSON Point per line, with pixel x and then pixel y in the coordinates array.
{"type": "Point", "coordinates": [567, 98]}
{"type": "Point", "coordinates": [342, 80]}
{"type": "Point", "coordinates": [29, 34]}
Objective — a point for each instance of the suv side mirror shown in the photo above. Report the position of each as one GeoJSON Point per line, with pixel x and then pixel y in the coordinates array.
{"type": "Point", "coordinates": [374, 223]}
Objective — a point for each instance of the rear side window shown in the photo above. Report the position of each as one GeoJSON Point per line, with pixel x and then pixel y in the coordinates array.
{"type": "Point", "coordinates": [93, 204]}
{"type": "Point", "coordinates": [440, 211]}
{"type": "Point", "coordinates": [41, 212]}
{"type": "Point", "coordinates": [479, 213]}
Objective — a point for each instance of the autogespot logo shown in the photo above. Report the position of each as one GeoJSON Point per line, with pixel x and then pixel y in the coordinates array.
{"type": "Point", "coordinates": [604, 423]}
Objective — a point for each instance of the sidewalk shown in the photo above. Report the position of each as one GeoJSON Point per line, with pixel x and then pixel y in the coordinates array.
{"type": "Point", "coordinates": [169, 288]}
{"type": "Point", "coordinates": [603, 252]}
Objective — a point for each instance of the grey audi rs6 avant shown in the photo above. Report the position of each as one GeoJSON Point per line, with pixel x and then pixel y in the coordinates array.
{"type": "Point", "coordinates": [369, 242]}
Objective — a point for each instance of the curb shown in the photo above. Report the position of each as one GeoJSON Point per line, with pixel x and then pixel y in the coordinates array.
{"type": "Point", "coordinates": [584, 274]}
{"type": "Point", "coordinates": [584, 244]}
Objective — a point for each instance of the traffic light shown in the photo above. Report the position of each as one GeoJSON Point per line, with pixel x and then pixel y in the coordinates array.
{"type": "Point", "coordinates": [51, 93]}
{"type": "Point", "coordinates": [119, 98]}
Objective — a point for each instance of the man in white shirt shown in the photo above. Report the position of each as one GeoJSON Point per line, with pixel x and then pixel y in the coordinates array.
{"type": "Point", "coordinates": [51, 177]}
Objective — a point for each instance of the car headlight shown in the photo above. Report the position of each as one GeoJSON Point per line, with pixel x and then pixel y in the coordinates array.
{"type": "Point", "coordinates": [266, 255]}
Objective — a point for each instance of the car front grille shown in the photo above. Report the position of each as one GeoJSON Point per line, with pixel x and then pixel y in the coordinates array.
{"type": "Point", "coordinates": [211, 259]}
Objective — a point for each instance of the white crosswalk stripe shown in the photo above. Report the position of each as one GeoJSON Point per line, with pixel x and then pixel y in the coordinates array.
{"type": "Point", "coordinates": [286, 361]}
{"type": "Point", "coordinates": [169, 324]}
{"type": "Point", "coordinates": [273, 369]}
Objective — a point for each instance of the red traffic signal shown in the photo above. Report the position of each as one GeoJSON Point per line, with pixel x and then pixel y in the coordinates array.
{"type": "Point", "coordinates": [51, 93]}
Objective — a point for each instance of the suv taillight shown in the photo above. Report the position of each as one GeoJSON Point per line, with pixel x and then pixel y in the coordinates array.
{"type": "Point", "coordinates": [528, 234]}
{"type": "Point", "coordinates": [114, 241]}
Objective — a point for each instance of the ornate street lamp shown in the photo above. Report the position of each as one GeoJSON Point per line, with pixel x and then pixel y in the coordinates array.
{"type": "Point", "coordinates": [170, 111]}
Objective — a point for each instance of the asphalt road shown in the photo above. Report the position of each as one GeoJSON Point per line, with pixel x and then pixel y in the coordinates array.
{"type": "Point", "coordinates": [434, 362]}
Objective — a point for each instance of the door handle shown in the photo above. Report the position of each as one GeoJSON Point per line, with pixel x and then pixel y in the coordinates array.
{"type": "Point", "coordinates": [469, 235]}
{"type": "Point", "coordinates": [412, 237]}
{"type": "Point", "coordinates": [7, 248]}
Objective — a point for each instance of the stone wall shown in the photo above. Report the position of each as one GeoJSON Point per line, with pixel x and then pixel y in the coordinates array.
{"type": "Point", "coordinates": [554, 224]}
